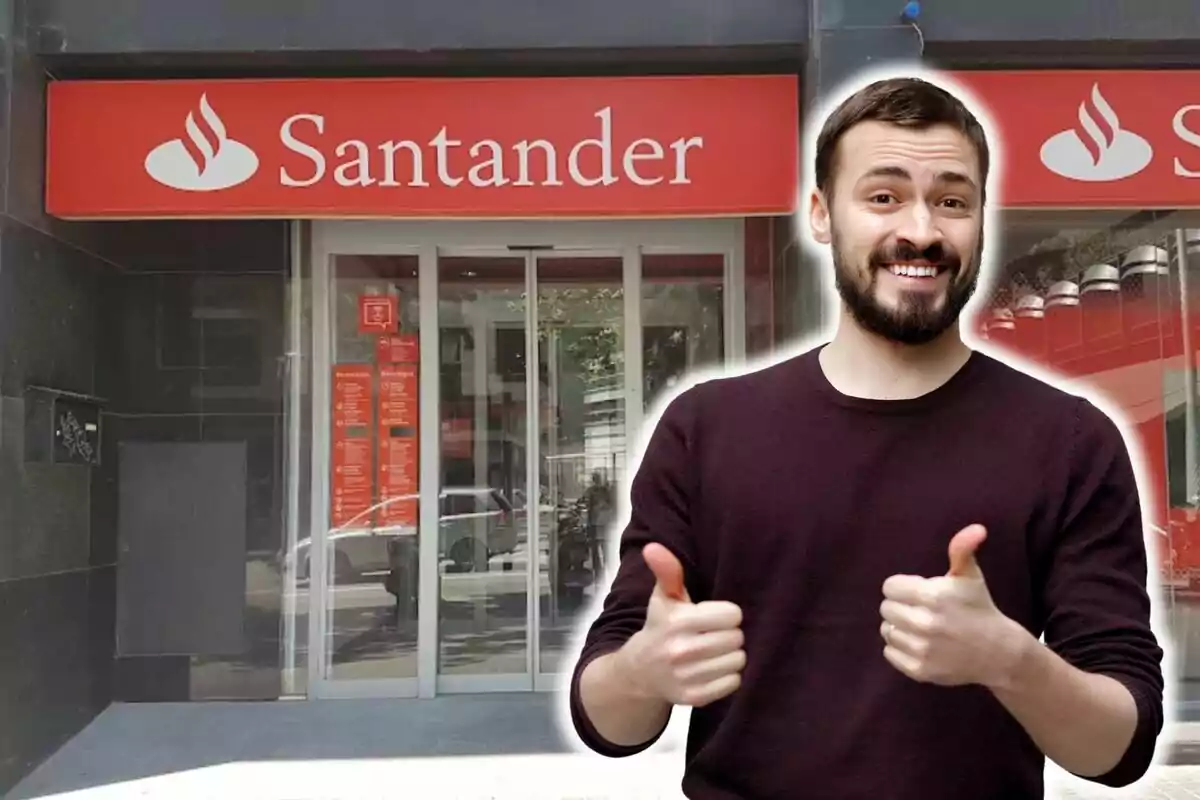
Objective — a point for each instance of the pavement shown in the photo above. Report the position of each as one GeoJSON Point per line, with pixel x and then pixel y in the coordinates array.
{"type": "Point", "coordinates": [1165, 783]}
{"type": "Point", "coordinates": [534, 777]}
{"type": "Point", "coordinates": [545, 777]}
{"type": "Point", "coordinates": [477, 747]}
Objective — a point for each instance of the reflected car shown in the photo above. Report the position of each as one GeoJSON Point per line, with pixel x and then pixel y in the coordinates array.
{"type": "Point", "coordinates": [475, 522]}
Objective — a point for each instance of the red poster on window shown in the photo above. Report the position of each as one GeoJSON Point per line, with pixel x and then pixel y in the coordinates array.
{"type": "Point", "coordinates": [398, 398]}
{"type": "Point", "coordinates": [352, 398]}
{"type": "Point", "coordinates": [403, 349]}
{"type": "Point", "coordinates": [378, 313]}
{"type": "Point", "coordinates": [398, 465]}
{"type": "Point", "coordinates": [398, 480]}
{"type": "Point", "coordinates": [352, 478]}
{"type": "Point", "coordinates": [352, 484]}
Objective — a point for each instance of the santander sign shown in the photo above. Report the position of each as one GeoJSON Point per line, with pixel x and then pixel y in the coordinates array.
{"type": "Point", "coordinates": [423, 148]}
{"type": "Point", "coordinates": [406, 162]}
{"type": "Point", "coordinates": [207, 160]}
{"type": "Point", "coordinates": [1104, 139]}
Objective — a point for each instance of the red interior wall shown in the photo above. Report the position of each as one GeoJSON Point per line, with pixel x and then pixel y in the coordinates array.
{"type": "Point", "coordinates": [1122, 346]}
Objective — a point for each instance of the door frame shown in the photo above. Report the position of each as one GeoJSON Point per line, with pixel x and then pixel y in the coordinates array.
{"type": "Point", "coordinates": [425, 239]}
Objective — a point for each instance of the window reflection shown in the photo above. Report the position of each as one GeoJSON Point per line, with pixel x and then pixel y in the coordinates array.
{"type": "Point", "coordinates": [683, 318]}
{"type": "Point", "coordinates": [372, 619]}
{"type": "Point", "coordinates": [582, 447]}
{"type": "Point", "coordinates": [483, 523]}
{"type": "Point", "coordinates": [1109, 301]}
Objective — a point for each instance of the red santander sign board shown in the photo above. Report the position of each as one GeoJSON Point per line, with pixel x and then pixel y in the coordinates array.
{"type": "Point", "coordinates": [568, 147]}
{"type": "Point", "coordinates": [1094, 138]}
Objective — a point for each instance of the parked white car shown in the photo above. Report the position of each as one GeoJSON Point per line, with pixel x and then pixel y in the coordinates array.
{"type": "Point", "coordinates": [475, 522]}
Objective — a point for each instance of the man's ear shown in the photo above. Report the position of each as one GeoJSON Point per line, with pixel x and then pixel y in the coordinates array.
{"type": "Point", "coordinates": [818, 217]}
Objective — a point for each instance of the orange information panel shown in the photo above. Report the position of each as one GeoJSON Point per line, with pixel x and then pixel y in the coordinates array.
{"type": "Point", "coordinates": [398, 397]}
{"type": "Point", "coordinates": [403, 349]}
{"type": "Point", "coordinates": [398, 474]}
{"type": "Point", "coordinates": [352, 398]}
{"type": "Point", "coordinates": [398, 486]}
{"type": "Point", "coordinates": [353, 433]}
{"type": "Point", "coordinates": [352, 484]}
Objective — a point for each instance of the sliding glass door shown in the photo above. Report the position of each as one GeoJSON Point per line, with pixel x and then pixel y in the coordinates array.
{"type": "Point", "coordinates": [485, 385]}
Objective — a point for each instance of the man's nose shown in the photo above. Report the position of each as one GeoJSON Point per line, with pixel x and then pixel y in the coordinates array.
{"type": "Point", "coordinates": [919, 226]}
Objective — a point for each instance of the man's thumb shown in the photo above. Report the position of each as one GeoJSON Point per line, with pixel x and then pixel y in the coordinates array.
{"type": "Point", "coordinates": [667, 570]}
{"type": "Point", "coordinates": [962, 552]}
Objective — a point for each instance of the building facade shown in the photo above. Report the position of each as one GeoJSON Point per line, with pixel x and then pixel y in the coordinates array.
{"type": "Point", "coordinates": [327, 331]}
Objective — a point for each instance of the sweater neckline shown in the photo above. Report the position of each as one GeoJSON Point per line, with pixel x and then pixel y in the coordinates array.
{"type": "Point", "coordinates": [963, 377]}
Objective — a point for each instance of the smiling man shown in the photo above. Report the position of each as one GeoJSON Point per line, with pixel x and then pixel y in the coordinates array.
{"type": "Point", "coordinates": [844, 562]}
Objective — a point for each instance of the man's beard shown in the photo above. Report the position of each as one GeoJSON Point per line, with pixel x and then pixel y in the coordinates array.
{"type": "Point", "coordinates": [918, 319]}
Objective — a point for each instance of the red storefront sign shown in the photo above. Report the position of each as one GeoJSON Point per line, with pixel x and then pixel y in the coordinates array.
{"type": "Point", "coordinates": [423, 147]}
{"type": "Point", "coordinates": [1094, 138]}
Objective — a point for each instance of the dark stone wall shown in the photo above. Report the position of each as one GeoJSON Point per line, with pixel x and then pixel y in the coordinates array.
{"type": "Point", "coordinates": [177, 331]}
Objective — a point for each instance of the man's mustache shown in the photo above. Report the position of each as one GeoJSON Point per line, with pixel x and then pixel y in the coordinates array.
{"type": "Point", "coordinates": [937, 255]}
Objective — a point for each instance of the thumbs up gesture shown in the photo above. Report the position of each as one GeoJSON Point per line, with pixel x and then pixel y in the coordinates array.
{"type": "Point", "coordinates": [947, 630]}
{"type": "Point", "coordinates": [686, 653]}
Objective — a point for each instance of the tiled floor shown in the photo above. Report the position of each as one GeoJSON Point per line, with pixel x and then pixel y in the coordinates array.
{"type": "Point", "coordinates": [498, 747]}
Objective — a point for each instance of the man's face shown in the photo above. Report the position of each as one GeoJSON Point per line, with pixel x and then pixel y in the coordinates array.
{"type": "Point", "coordinates": [905, 228]}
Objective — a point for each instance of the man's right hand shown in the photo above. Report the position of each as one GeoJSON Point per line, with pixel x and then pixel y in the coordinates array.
{"type": "Point", "coordinates": [687, 653]}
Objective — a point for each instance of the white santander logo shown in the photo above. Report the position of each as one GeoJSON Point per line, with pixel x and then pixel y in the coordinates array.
{"type": "Point", "coordinates": [214, 161]}
{"type": "Point", "coordinates": [1099, 149]}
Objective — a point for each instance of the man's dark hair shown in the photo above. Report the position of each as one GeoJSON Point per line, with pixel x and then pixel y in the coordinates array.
{"type": "Point", "coordinates": [907, 102]}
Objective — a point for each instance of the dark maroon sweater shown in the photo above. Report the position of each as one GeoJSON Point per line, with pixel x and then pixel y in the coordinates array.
{"type": "Point", "coordinates": [794, 501]}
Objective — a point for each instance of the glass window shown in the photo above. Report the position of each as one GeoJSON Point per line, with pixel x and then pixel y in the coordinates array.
{"type": "Point", "coordinates": [683, 318]}
{"type": "Point", "coordinates": [372, 546]}
{"type": "Point", "coordinates": [1109, 299]}
{"type": "Point", "coordinates": [483, 596]}
{"type": "Point", "coordinates": [582, 447]}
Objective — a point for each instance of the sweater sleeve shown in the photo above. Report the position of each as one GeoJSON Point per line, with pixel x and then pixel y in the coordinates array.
{"type": "Point", "coordinates": [1096, 597]}
{"type": "Point", "coordinates": [661, 506]}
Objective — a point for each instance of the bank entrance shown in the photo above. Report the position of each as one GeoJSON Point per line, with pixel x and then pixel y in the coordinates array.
{"type": "Point", "coordinates": [477, 393]}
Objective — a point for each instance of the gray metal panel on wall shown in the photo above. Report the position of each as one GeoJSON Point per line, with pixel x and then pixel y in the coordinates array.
{"type": "Point", "coordinates": [171, 26]}
{"type": "Point", "coordinates": [1024, 20]}
{"type": "Point", "coordinates": [1061, 20]}
{"type": "Point", "coordinates": [181, 568]}
{"type": "Point", "coordinates": [838, 54]}
{"type": "Point", "coordinates": [874, 36]}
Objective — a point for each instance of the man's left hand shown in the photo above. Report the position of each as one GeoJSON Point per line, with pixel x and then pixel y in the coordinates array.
{"type": "Point", "coordinates": [946, 630]}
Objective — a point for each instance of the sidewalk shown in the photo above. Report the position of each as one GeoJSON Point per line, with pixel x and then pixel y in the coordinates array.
{"type": "Point", "coordinates": [538, 777]}
{"type": "Point", "coordinates": [1164, 783]}
{"type": "Point", "coordinates": [499, 747]}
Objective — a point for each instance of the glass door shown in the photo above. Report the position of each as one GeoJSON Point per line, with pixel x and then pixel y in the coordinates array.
{"type": "Point", "coordinates": [582, 376]}
{"type": "Point", "coordinates": [478, 390]}
{"type": "Point", "coordinates": [484, 545]}
{"type": "Point", "coordinates": [360, 567]}
{"type": "Point", "coordinates": [532, 450]}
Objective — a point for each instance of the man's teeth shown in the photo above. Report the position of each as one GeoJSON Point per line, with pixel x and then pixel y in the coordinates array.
{"type": "Point", "coordinates": [910, 271]}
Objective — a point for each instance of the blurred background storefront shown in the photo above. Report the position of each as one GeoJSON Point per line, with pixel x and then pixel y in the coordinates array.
{"type": "Point", "coordinates": [1096, 280]}
{"type": "Point", "coordinates": [300, 445]}
{"type": "Point", "coordinates": [496, 281]}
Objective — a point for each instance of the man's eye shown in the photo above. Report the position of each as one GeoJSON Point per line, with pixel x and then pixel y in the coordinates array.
{"type": "Point", "coordinates": [881, 198]}
{"type": "Point", "coordinates": [955, 203]}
